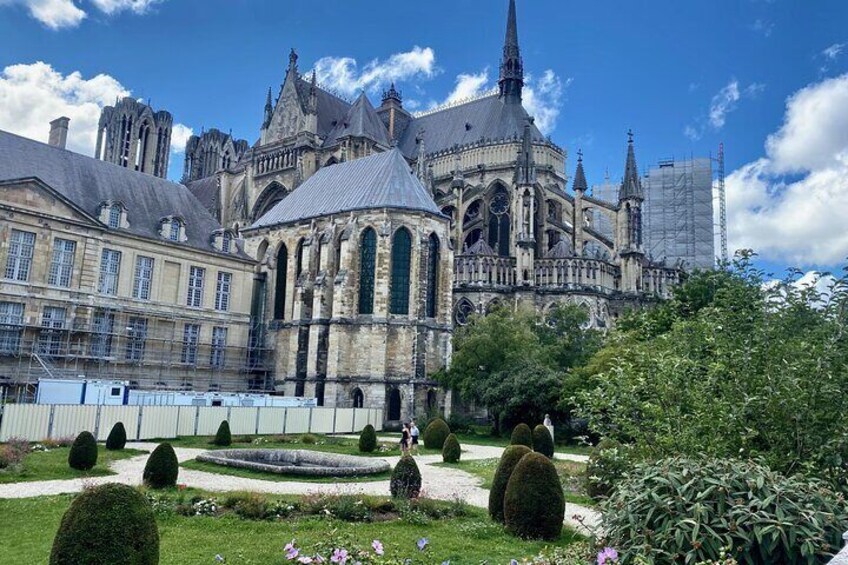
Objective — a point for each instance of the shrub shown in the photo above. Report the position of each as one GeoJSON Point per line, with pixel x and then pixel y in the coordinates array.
{"type": "Point", "coordinates": [223, 437]}
{"type": "Point", "coordinates": [14, 452]}
{"type": "Point", "coordinates": [510, 458]}
{"type": "Point", "coordinates": [111, 523]}
{"type": "Point", "coordinates": [308, 439]}
{"type": "Point", "coordinates": [162, 468]}
{"type": "Point", "coordinates": [83, 455]}
{"type": "Point", "coordinates": [534, 504]}
{"type": "Point", "coordinates": [368, 439]}
{"type": "Point", "coordinates": [451, 451]}
{"type": "Point", "coordinates": [117, 437]}
{"type": "Point", "coordinates": [543, 442]}
{"type": "Point", "coordinates": [406, 478]}
{"type": "Point", "coordinates": [521, 435]}
{"type": "Point", "coordinates": [608, 461]}
{"type": "Point", "coordinates": [435, 434]}
{"type": "Point", "coordinates": [763, 516]}
{"type": "Point", "coordinates": [460, 424]}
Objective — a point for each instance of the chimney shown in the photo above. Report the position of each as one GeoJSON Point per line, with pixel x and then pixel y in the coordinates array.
{"type": "Point", "coordinates": [59, 132]}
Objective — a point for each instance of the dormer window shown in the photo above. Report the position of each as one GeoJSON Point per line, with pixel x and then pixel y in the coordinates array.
{"type": "Point", "coordinates": [114, 217]}
{"type": "Point", "coordinates": [174, 234]}
{"type": "Point", "coordinates": [172, 228]}
{"type": "Point", "coordinates": [113, 214]}
{"type": "Point", "coordinates": [224, 241]}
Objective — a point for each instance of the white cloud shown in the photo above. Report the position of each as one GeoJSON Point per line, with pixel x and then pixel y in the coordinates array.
{"type": "Point", "coordinates": [342, 74]}
{"type": "Point", "coordinates": [722, 103]}
{"type": "Point", "coordinates": [797, 219]}
{"type": "Point", "coordinates": [833, 51]}
{"type": "Point", "coordinates": [764, 27]}
{"type": "Point", "coordinates": [59, 14]}
{"type": "Point", "coordinates": [33, 95]}
{"type": "Point", "coordinates": [468, 86]}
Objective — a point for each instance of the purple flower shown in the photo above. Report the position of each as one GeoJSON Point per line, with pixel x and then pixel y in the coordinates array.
{"type": "Point", "coordinates": [378, 547]}
{"type": "Point", "coordinates": [422, 543]}
{"type": "Point", "coordinates": [607, 556]}
{"type": "Point", "coordinates": [305, 559]}
{"type": "Point", "coordinates": [339, 556]}
{"type": "Point", "coordinates": [291, 551]}
{"type": "Point", "coordinates": [513, 562]}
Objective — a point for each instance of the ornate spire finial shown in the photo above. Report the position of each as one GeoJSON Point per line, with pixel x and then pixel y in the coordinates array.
{"type": "Point", "coordinates": [292, 58]}
{"type": "Point", "coordinates": [269, 110]}
{"type": "Point", "coordinates": [580, 184]}
{"type": "Point", "coordinates": [511, 79]}
{"type": "Point", "coordinates": [631, 186]}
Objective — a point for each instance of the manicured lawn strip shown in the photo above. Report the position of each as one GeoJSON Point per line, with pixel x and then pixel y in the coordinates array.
{"type": "Point", "coordinates": [53, 465]}
{"type": "Point", "coordinates": [328, 444]}
{"type": "Point", "coordinates": [28, 527]}
{"type": "Point", "coordinates": [251, 474]}
{"type": "Point", "coordinates": [495, 441]}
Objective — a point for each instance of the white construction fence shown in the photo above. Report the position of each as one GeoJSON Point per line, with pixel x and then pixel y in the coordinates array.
{"type": "Point", "coordinates": [35, 422]}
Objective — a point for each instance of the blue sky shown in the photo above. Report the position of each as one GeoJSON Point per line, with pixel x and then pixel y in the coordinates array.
{"type": "Point", "coordinates": [683, 75]}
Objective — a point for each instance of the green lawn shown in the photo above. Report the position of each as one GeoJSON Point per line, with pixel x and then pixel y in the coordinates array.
{"type": "Point", "coordinates": [53, 464]}
{"type": "Point", "coordinates": [571, 474]}
{"type": "Point", "coordinates": [28, 527]}
{"type": "Point", "coordinates": [499, 441]}
{"type": "Point", "coordinates": [251, 474]}
{"type": "Point", "coordinates": [331, 444]}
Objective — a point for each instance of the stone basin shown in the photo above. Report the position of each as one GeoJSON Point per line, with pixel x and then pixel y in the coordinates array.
{"type": "Point", "coordinates": [296, 462]}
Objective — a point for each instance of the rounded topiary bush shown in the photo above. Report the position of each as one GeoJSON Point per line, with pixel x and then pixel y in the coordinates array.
{"type": "Point", "coordinates": [521, 435]}
{"type": "Point", "coordinates": [451, 451]}
{"type": "Point", "coordinates": [83, 455]}
{"type": "Point", "coordinates": [543, 442]}
{"type": "Point", "coordinates": [436, 433]}
{"type": "Point", "coordinates": [367, 439]}
{"type": "Point", "coordinates": [406, 478]}
{"type": "Point", "coordinates": [117, 437]}
{"type": "Point", "coordinates": [510, 458]}
{"type": "Point", "coordinates": [223, 437]}
{"type": "Point", "coordinates": [162, 467]}
{"type": "Point", "coordinates": [108, 524]}
{"type": "Point", "coordinates": [608, 461]}
{"type": "Point", "coordinates": [758, 514]}
{"type": "Point", "coordinates": [534, 503]}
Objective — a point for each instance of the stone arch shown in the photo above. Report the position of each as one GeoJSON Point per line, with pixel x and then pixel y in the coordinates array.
{"type": "Point", "coordinates": [280, 282]}
{"type": "Point", "coordinates": [270, 196]}
{"type": "Point", "coordinates": [357, 398]}
{"type": "Point", "coordinates": [432, 401]}
{"type": "Point", "coordinates": [433, 260]}
{"type": "Point", "coordinates": [261, 251]}
{"type": "Point", "coordinates": [393, 404]}
{"type": "Point", "coordinates": [401, 271]}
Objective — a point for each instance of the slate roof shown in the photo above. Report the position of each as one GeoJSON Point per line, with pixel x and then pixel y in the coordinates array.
{"type": "Point", "coordinates": [361, 120]}
{"type": "Point", "coordinates": [331, 108]}
{"type": "Point", "coordinates": [383, 180]}
{"type": "Point", "coordinates": [206, 190]}
{"type": "Point", "coordinates": [88, 182]}
{"type": "Point", "coordinates": [488, 117]}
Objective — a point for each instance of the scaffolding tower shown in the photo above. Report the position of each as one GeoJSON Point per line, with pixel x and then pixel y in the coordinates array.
{"type": "Point", "coordinates": [722, 203]}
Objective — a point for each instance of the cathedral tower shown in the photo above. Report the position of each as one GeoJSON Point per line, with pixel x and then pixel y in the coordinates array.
{"type": "Point", "coordinates": [629, 238]}
{"type": "Point", "coordinates": [132, 135]}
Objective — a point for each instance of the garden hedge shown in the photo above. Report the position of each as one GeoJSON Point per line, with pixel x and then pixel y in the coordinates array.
{"type": "Point", "coordinates": [105, 525]}
{"type": "Point", "coordinates": [608, 461]}
{"type": "Point", "coordinates": [451, 452]}
{"type": "Point", "coordinates": [162, 467]}
{"type": "Point", "coordinates": [543, 442]}
{"type": "Point", "coordinates": [435, 434]}
{"type": "Point", "coordinates": [510, 458]}
{"type": "Point", "coordinates": [223, 437]}
{"type": "Point", "coordinates": [367, 439]}
{"type": "Point", "coordinates": [534, 503]}
{"type": "Point", "coordinates": [117, 437]}
{"type": "Point", "coordinates": [521, 435]}
{"type": "Point", "coordinates": [406, 478]}
{"type": "Point", "coordinates": [83, 455]}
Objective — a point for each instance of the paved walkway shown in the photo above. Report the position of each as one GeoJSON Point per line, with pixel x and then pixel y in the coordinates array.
{"type": "Point", "coordinates": [439, 482]}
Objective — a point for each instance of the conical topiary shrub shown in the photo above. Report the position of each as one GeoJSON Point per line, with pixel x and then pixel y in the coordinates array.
{"type": "Point", "coordinates": [510, 458]}
{"type": "Point", "coordinates": [435, 434]}
{"type": "Point", "coordinates": [162, 467]}
{"type": "Point", "coordinates": [83, 455]}
{"type": "Point", "coordinates": [534, 504]}
{"type": "Point", "coordinates": [223, 437]}
{"type": "Point", "coordinates": [521, 435]}
{"type": "Point", "coordinates": [117, 437]}
{"type": "Point", "coordinates": [108, 524]}
{"type": "Point", "coordinates": [406, 478]}
{"type": "Point", "coordinates": [367, 439]}
{"type": "Point", "coordinates": [451, 451]}
{"type": "Point", "coordinates": [543, 442]}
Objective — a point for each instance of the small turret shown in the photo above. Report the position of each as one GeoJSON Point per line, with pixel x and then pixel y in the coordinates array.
{"type": "Point", "coordinates": [580, 184]}
{"type": "Point", "coordinates": [631, 186]}
{"type": "Point", "coordinates": [525, 171]}
{"type": "Point", "coordinates": [269, 110]}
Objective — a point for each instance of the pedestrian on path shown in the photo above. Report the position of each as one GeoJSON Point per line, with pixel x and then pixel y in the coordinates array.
{"type": "Point", "coordinates": [414, 433]}
{"type": "Point", "coordinates": [405, 439]}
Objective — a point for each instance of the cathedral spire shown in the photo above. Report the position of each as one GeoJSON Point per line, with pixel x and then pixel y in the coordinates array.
{"type": "Point", "coordinates": [269, 110]}
{"type": "Point", "coordinates": [525, 173]}
{"type": "Point", "coordinates": [631, 186]}
{"type": "Point", "coordinates": [511, 79]}
{"type": "Point", "coordinates": [580, 183]}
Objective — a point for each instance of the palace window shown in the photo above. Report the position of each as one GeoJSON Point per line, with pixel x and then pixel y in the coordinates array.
{"type": "Point", "coordinates": [136, 338]}
{"type": "Point", "coordinates": [19, 260]}
{"type": "Point", "coordinates": [432, 275]}
{"type": "Point", "coordinates": [222, 291]}
{"type": "Point", "coordinates": [367, 263]}
{"type": "Point", "coordinates": [110, 267]}
{"type": "Point", "coordinates": [219, 347]}
{"type": "Point", "coordinates": [194, 296]}
{"type": "Point", "coordinates": [53, 324]}
{"type": "Point", "coordinates": [191, 336]}
{"type": "Point", "coordinates": [11, 327]}
{"type": "Point", "coordinates": [143, 280]}
{"type": "Point", "coordinates": [103, 325]}
{"type": "Point", "coordinates": [400, 281]}
{"type": "Point", "coordinates": [62, 263]}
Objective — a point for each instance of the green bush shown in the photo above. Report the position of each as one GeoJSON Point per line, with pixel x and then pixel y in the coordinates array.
{"type": "Point", "coordinates": [521, 435]}
{"type": "Point", "coordinates": [308, 439]}
{"type": "Point", "coordinates": [406, 478]}
{"type": "Point", "coordinates": [223, 437]}
{"type": "Point", "coordinates": [83, 455]}
{"type": "Point", "coordinates": [451, 452]}
{"type": "Point", "coordinates": [105, 525]}
{"type": "Point", "coordinates": [367, 439]}
{"type": "Point", "coordinates": [608, 461]}
{"type": "Point", "coordinates": [117, 437]}
{"type": "Point", "coordinates": [534, 503]}
{"type": "Point", "coordinates": [162, 467]}
{"type": "Point", "coordinates": [688, 510]}
{"type": "Point", "coordinates": [543, 442]}
{"type": "Point", "coordinates": [510, 458]}
{"type": "Point", "coordinates": [435, 434]}
{"type": "Point", "coordinates": [460, 424]}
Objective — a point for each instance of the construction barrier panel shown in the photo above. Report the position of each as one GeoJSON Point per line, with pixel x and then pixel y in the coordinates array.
{"type": "Point", "coordinates": [35, 422]}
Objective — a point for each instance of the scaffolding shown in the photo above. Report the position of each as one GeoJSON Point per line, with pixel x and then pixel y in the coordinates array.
{"type": "Point", "coordinates": [722, 203]}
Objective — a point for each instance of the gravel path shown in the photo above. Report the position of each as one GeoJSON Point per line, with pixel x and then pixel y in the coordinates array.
{"type": "Point", "coordinates": [439, 482]}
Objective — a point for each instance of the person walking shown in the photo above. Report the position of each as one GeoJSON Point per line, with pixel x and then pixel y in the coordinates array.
{"type": "Point", "coordinates": [404, 439]}
{"type": "Point", "coordinates": [414, 433]}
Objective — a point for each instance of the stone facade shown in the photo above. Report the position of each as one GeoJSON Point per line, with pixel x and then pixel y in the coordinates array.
{"type": "Point", "coordinates": [130, 134]}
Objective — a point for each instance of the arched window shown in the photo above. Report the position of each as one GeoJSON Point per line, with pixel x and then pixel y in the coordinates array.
{"type": "Point", "coordinates": [394, 405]}
{"type": "Point", "coordinates": [432, 275]}
{"type": "Point", "coordinates": [499, 221]}
{"type": "Point", "coordinates": [280, 284]}
{"type": "Point", "coordinates": [401, 262]}
{"type": "Point", "coordinates": [358, 398]}
{"type": "Point", "coordinates": [432, 400]}
{"type": "Point", "coordinates": [367, 263]}
{"type": "Point", "coordinates": [319, 392]}
{"type": "Point", "coordinates": [299, 259]}
{"type": "Point", "coordinates": [463, 312]}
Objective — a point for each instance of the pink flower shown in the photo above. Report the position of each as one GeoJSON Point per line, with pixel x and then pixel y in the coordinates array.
{"type": "Point", "coordinates": [305, 559]}
{"type": "Point", "coordinates": [378, 547]}
{"type": "Point", "coordinates": [291, 550]}
{"type": "Point", "coordinates": [607, 556]}
{"type": "Point", "coordinates": [339, 556]}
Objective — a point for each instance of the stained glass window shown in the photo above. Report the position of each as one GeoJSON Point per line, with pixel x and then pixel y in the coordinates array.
{"type": "Point", "coordinates": [367, 262]}
{"type": "Point", "coordinates": [432, 275]}
{"type": "Point", "coordinates": [401, 259]}
{"type": "Point", "coordinates": [463, 312]}
{"type": "Point", "coordinates": [280, 284]}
